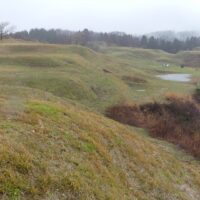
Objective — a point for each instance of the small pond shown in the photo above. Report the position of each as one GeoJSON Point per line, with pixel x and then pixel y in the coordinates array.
{"type": "Point", "coordinates": [176, 77]}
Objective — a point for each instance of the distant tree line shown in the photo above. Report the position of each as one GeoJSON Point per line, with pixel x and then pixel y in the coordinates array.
{"type": "Point", "coordinates": [90, 38]}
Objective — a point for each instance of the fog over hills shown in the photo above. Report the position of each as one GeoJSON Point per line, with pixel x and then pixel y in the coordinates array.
{"type": "Point", "coordinates": [171, 35]}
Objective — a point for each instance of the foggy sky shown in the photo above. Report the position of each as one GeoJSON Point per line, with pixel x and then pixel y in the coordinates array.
{"type": "Point", "coordinates": [131, 16]}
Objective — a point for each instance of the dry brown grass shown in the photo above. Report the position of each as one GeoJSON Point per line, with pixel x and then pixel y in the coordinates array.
{"type": "Point", "coordinates": [177, 120]}
{"type": "Point", "coordinates": [56, 151]}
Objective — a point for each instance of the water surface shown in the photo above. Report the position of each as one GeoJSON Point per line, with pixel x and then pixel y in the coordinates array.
{"type": "Point", "coordinates": [176, 77]}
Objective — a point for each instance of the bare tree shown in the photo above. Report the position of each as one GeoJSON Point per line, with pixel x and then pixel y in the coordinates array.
{"type": "Point", "coordinates": [5, 29]}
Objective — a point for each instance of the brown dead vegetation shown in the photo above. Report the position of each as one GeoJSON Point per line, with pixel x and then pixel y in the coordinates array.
{"type": "Point", "coordinates": [196, 95]}
{"type": "Point", "coordinates": [106, 71]}
{"type": "Point", "coordinates": [177, 120]}
{"type": "Point", "coordinates": [133, 79]}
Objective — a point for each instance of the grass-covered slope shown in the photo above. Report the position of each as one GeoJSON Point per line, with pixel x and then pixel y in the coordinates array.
{"type": "Point", "coordinates": [189, 58]}
{"type": "Point", "coordinates": [97, 80]}
{"type": "Point", "coordinates": [51, 149]}
{"type": "Point", "coordinates": [54, 147]}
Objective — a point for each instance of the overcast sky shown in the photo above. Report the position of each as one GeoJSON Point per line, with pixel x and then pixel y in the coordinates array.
{"type": "Point", "coordinates": [131, 16]}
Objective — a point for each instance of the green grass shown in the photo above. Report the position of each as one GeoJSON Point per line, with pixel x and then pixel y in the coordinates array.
{"type": "Point", "coordinates": [87, 147]}
{"type": "Point", "coordinates": [43, 109]}
{"type": "Point", "coordinates": [52, 144]}
{"type": "Point", "coordinates": [77, 73]}
{"type": "Point", "coordinates": [53, 149]}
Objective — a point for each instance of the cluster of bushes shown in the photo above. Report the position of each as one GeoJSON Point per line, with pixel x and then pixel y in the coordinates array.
{"type": "Point", "coordinates": [177, 120]}
{"type": "Point", "coordinates": [196, 95]}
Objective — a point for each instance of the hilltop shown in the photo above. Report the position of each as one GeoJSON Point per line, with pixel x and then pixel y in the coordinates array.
{"type": "Point", "coordinates": [56, 142]}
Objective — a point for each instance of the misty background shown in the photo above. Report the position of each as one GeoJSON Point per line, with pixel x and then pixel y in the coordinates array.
{"type": "Point", "coordinates": [130, 16]}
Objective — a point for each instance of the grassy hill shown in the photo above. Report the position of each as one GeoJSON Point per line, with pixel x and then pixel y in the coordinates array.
{"type": "Point", "coordinates": [53, 146]}
{"type": "Point", "coordinates": [52, 149]}
{"type": "Point", "coordinates": [97, 80]}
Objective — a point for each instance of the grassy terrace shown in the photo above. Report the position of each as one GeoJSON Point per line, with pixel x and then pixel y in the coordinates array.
{"type": "Point", "coordinates": [96, 80]}
{"type": "Point", "coordinates": [53, 146]}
